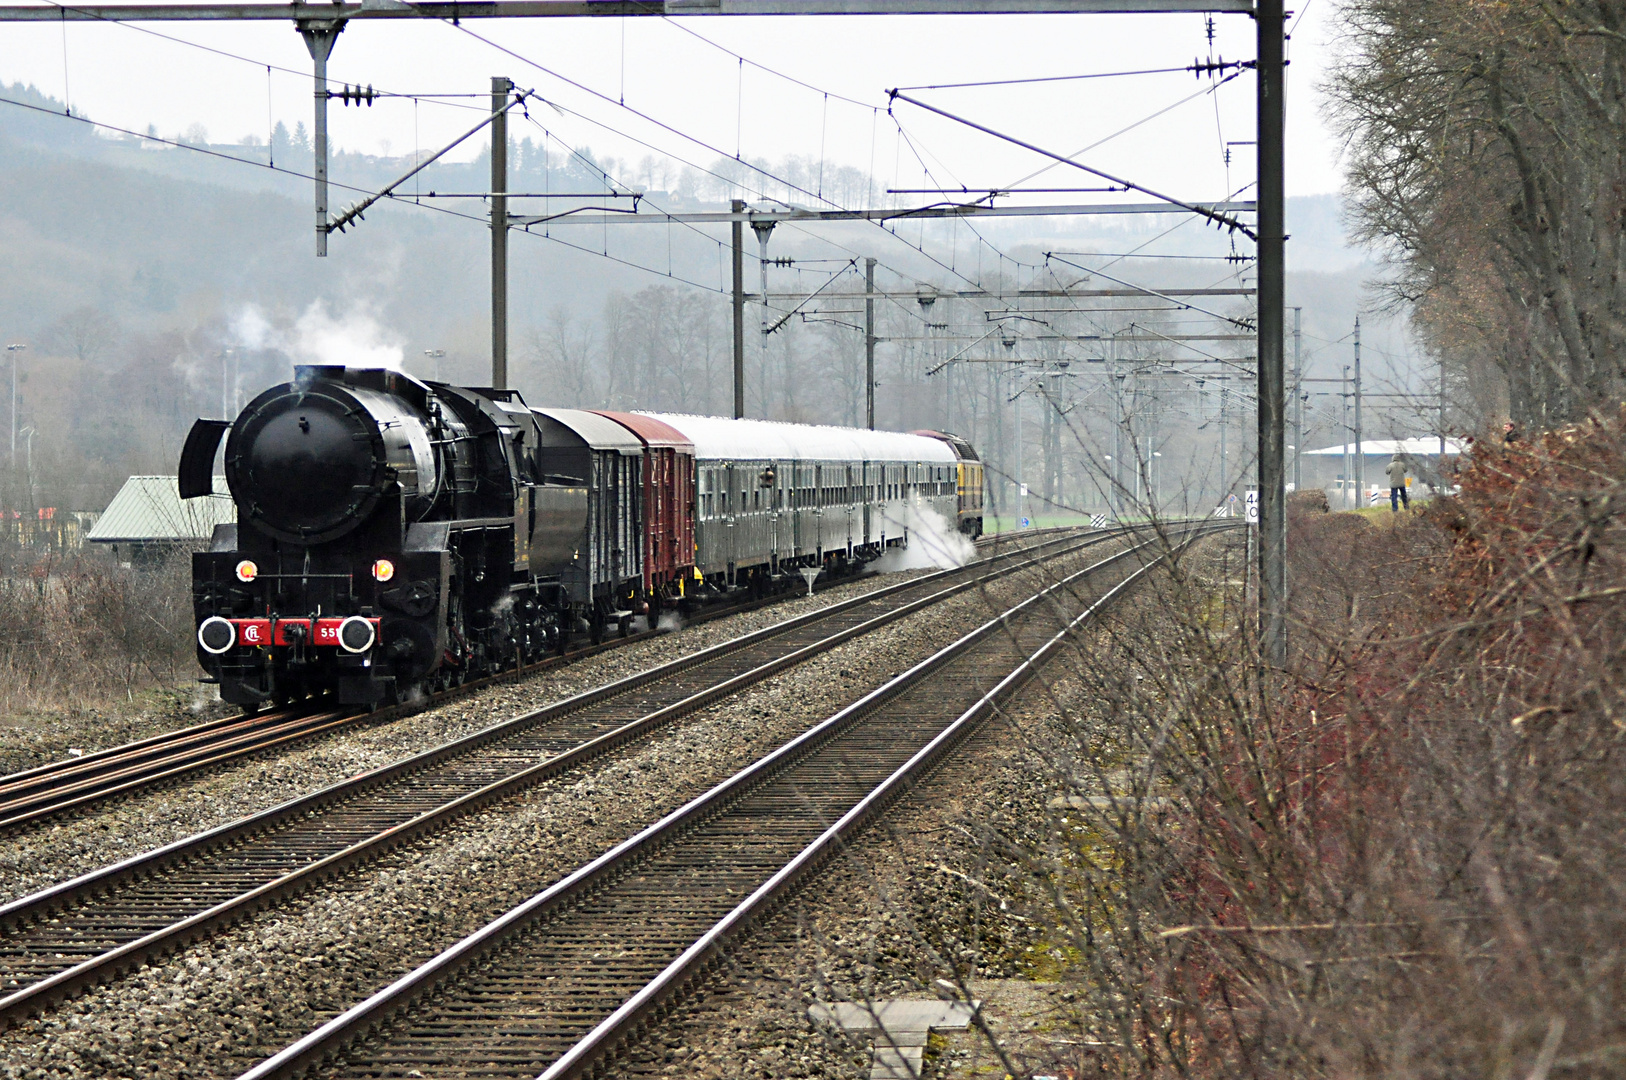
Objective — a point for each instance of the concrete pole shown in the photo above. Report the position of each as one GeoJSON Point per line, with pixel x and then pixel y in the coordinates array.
{"type": "Point", "coordinates": [764, 229]}
{"type": "Point", "coordinates": [738, 207]}
{"type": "Point", "coordinates": [1059, 382]}
{"type": "Point", "coordinates": [1298, 399]}
{"type": "Point", "coordinates": [1118, 431]}
{"type": "Point", "coordinates": [1360, 446]}
{"type": "Point", "coordinates": [501, 87]}
{"type": "Point", "coordinates": [1343, 421]}
{"type": "Point", "coordinates": [1441, 469]}
{"type": "Point", "coordinates": [319, 35]}
{"type": "Point", "coordinates": [1270, 25]}
{"type": "Point", "coordinates": [869, 344]}
{"type": "Point", "coordinates": [12, 351]}
{"type": "Point", "coordinates": [1021, 484]}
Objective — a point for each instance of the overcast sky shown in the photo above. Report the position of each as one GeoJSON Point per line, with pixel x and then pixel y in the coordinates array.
{"type": "Point", "coordinates": [680, 73]}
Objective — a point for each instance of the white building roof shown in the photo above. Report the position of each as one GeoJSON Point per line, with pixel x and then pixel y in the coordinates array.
{"type": "Point", "coordinates": [717, 437]}
{"type": "Point", "coordinates": [1422, 446]}
{"type": "Point", "coordinates": [149, 509]}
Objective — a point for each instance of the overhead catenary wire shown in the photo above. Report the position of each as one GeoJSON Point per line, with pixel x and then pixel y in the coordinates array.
{"type": "Point", "coordinates": [646, 117]}
{"type": "Point", "coordinates": [418, 97]}
{"type": "Point", "coordinates": [743, 60]}
{"type": "Point", "coordinates": [700, 168]}
{"type": "Point", "coordinates": [926, 169]}
{"type": "Point", "coordinates": [920, 249]}
{"type": "Point", "coordinates": [612, 182]}
{"type": "Point", "coordinates": [1065, 78]}
{"type": "Point", "coordinates": [1148, 118]}
{"type": "Point", "coordinates": [304, 75]}
{"type": "Point", "coordinates": [403, 200]}
{"type": "Point", "coordinates": [788, 185]}
{"type": "Point", "coordinates": [613, 130]}
{"type": "Point", "coordinates": [1216, 217]}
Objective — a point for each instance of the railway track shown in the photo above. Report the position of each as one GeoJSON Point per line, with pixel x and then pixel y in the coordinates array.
{"type": "Point", "coordinates": [558, 983]}
{"type": "Point", "coordinates": [85, 930]}
{"type": "Point", "coordinates": [44, 792]}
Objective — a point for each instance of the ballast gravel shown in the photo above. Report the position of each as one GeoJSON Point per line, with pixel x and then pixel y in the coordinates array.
{"type": "Point", "coordinates": [217, 1007]}
{"type": "Point", "coordinates": [59, 850]}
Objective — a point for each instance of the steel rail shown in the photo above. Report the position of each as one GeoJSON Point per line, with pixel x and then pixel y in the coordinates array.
{"type": "Point", "coordinates": [574, 891]}
{"type": "Point", "coordinates": [281, 823]}
{"type": "Point", "coordinates": [45, 791]}
{"type": "Point", "coordinates": [31, 800]}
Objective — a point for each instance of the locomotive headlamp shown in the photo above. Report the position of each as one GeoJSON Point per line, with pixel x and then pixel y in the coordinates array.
{"type": "Point", "coordinates": [383, 570]}
{"type": "Point", "coordinates": [216, 635]}
{"type": "Point", "coordinates": [247, 571]}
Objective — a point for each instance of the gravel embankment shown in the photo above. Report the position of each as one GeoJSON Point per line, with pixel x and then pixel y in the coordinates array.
{"type": "Point", "coordinates": [918, 896]}
{"type": "Point", "coordinates": [215, 1008]}
{"type": "Point", "coordinates": [61, 849]}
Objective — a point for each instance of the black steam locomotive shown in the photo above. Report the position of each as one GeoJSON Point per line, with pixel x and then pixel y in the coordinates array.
{"type": "Point", "coordinates": [374, 509]}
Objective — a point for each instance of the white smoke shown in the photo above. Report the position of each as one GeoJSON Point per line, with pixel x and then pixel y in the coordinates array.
{"type": "Point", "coordinates": [250, 329]}
{"type": "Point", "coordinates": [317, 336]}
{"type": "Point", "coordinates": [934, 543]}
{"type": "Point", "coordinates": [353, 340]}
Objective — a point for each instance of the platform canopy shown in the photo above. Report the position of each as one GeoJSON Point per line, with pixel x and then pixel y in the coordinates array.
{"type": "Point", "coordinates": [149, 510]}
{"type": "Point", "coordinates": [1421, 446]}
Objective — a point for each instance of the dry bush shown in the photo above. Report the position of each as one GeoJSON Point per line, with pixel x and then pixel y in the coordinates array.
{"type": "Point", "coordinates": [77, 630]}
{"type": "Point", "coordinates": [1403, 857]}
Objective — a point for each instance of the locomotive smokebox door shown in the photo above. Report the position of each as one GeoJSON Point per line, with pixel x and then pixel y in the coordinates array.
{"type": "Point", "coordinates": [309, 461]}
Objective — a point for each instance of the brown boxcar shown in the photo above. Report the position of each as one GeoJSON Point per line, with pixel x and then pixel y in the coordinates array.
{"type": "Point", "coordinates": [668, 505]}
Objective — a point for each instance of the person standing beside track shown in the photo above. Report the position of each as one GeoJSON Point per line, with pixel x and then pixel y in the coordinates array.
{"type": "Point", "coordinates": [1397, 484]}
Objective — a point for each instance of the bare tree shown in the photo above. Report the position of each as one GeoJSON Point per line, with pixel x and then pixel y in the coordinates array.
{"type": "Point", "coordinates": [1489, 144]}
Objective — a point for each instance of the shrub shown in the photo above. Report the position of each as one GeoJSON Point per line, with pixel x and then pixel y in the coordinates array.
{"type": "Point", "coordinates": [79, 629]}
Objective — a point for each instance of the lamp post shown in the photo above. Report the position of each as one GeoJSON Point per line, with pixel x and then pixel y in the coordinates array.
{"type": "Point", "coordinates": [28, 436]}
{"type": "Point", "coordinates": [12, 351]}
{"type": "Point", "coordinates": [435, 355]}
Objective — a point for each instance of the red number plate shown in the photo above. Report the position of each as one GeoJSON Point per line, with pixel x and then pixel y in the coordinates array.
{"type": "Point", "coordinates": [253, 631]}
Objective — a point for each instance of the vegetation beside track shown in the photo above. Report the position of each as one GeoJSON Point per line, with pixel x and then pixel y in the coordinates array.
{"type": "Point", "coordinates": [92, 654]}
{"type": "Point", "coordinates": [1398, 857]}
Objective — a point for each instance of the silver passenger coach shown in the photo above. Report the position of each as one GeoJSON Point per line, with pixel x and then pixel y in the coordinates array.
{"type": "Point", "coordinates": [772, 495]}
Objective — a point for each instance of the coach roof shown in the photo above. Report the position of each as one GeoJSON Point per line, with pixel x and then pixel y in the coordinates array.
{"type": "Point", "coordinates": [719, 438]}
{"type": "Point", "coordinates": [653, 432]}
{"type": "Point", "coordinates": [601, 433]}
